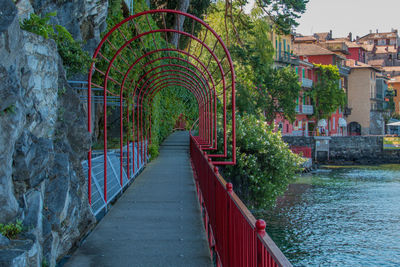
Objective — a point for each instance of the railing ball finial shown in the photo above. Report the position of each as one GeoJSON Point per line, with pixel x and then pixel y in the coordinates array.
{"type": "Point", "coordinates": [216, 169]}
{"type": "Point", "coordinates": [209, 159]}
{"type": "Point", "coordinates": [229, 187]}
{"type": "Point", "coordinates": [260, 226]}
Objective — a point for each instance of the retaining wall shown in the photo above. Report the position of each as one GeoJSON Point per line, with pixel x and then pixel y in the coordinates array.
{"type": "Point", "coordinates": [350, 149]}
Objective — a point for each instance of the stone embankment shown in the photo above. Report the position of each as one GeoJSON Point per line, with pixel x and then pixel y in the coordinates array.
{"type": "Point", "coordinates": [362, 150]}
{"type": "Point", "coordinates": [43, 135]}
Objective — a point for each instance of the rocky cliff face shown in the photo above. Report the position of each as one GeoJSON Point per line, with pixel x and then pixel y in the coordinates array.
{"type": "Point", "coordinates": [84, 19]}
{"type": "Point", "coordinates": [43, 136]}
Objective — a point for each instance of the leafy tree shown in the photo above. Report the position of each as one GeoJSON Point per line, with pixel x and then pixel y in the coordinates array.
{"type": "Point", "coordinates": [326, 95]}
{"type": "Point", "coordinates": [283, 12]}
{"type": "Point", "coordinates": [261, 89]}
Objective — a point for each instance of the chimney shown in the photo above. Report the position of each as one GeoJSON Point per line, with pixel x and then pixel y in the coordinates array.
{"type": "Point", "coordinates": [350, 37]}
{"type": "Point", "coordinates": [370, 31]}
{"type": "Point", "coordinates": [330, 35]}
{"type": "Point", "coordinates": [377, 31]}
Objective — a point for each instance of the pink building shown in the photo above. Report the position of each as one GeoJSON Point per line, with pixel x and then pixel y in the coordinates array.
{"type": "Point", "coordinates": [306, 123]}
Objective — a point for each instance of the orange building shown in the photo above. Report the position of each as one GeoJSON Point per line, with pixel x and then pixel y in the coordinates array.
{"type": "Point", "coordinates": [395, 83]}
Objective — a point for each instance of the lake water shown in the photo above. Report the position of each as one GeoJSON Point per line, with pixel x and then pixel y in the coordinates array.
{"type": "Point", "coordinates": [340, 217]}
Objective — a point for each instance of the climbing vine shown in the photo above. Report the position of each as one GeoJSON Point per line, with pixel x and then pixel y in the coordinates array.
{"type": "Point", "coordinates": [170, 102]}
{"type": "Point", "coordinates": [326, 94]}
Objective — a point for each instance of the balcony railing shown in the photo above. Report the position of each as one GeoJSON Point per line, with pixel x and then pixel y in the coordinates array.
{"type": "Point", "coordinates": [345, 71]}
{"type": "Point", "coordinates": [347, 111]}
{"type": "Point", "coordinates": [287, 57]}
{"type": "Point", "coordinates": [305, 109]}
{"type": "Point", "coordinates": [308, 83]}
{"type": "Point", "coordinates": [308, 109]}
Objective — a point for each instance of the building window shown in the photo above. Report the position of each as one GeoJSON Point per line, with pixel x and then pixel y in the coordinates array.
{"type": "Point", "coordinates": [304, 73]}
{"type": "Point", "coordinates": [333, 123]}
{"type": "Point", "coordinates": [284, 45]}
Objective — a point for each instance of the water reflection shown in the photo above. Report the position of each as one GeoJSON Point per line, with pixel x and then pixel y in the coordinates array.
{"type": "Point", "coordinates": [340, 216]}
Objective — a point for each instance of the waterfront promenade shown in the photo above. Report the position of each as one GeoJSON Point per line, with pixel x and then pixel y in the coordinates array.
{"type": "Point", "coordinates": [156, 222]}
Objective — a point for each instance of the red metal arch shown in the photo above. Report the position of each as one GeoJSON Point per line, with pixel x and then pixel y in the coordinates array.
{"type": "Point", "coordinates": [188, 68]}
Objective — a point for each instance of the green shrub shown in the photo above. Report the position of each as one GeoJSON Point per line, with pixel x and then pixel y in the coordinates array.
{"type": "Point", "coordinates": [11, 230]}
{"type": "Point", "coordinates": [265, 164]}
{"type": "Point", "coordinates": [75, 59]}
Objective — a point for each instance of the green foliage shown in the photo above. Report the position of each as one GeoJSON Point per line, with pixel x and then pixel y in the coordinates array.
{"type": "Point", "coordinates": [39, 25]}
{"type": "Point", "coordinates": [75, 60]}
{"type": "Point", "coordinates": [8, 110]}
{"type": "Point", "coordinates": [283, 12]}
{"type": "Point", "coordinates": [390, 93]}
{"type": "Point", "coordinates": [261, 89]}
{"type": "Point", "coordinates": [11, 230]}
{"type": "Point", "coordinates": [168, 103]}
{"type": "Point", "coordinates": [326, 94]}
{"type": "Point", "coordinates": [265, 165]}
{"type": "Point", "coordinates": [153, 150]}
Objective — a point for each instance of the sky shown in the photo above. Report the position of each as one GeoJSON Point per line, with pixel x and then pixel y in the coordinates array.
{"type": "Point", "coordinates": [344, 16]}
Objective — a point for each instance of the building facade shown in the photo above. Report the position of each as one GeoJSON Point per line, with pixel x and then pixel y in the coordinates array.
{"type": "Point", "coordinates": [366, 93]}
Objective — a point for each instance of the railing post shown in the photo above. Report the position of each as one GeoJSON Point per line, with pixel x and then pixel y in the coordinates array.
{"type": "Point", "coordinates": [260, 230]}
{"type": "Point", "coordinates": [230, 244]}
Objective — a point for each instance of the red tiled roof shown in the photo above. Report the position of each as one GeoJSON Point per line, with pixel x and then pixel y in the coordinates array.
{"type": "Point", "coordinates": [322, 35]}
{"type": "Point", "coordinates": [380, 35]}
{"type": "Point", "coordinates": [391, 68]}
{"type": "Point", "coordinates": [353, 45]}
{"type": "Point", "coordinates": [311, 50]}
{"type": "Point", "coordinates": [376, 62]}
{"type": "Point", "coordinates": [304, 39]}
{"type": "Point", "coordinates": [395, 79]}
{"type": "Point", "coordinates": [358, 65]}
{"type": "Point", "coordinates": [386, 49]}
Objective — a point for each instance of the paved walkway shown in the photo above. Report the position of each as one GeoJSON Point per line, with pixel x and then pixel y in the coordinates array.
{"type": "Point", "coordinates": [157, 222]}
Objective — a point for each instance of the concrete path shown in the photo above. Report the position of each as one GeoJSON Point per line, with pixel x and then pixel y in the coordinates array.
{"type": "Point", "coordinates": [157, 222]}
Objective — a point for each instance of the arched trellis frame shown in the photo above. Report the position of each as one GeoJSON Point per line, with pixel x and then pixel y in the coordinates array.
{"type": "Point", "coordinates": [142, 62]}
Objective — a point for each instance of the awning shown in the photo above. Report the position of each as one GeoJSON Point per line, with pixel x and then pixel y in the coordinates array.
{"type": "Point", "coordinates": [342, 122]}
{"type": "Point", "coordinates": [322, 123]}
{"type": "Point", "coordinates": [397, 123]}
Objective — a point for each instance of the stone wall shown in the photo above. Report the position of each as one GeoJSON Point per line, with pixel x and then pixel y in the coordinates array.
{"type": "Point", "coordinates": [351, 149]}
{"type": "Point", "coordinates": [43, 138]}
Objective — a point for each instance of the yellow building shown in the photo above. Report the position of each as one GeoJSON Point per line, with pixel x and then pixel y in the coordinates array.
{"type": "Point", "coordinates": [365, 100]}
{"type": "Point", "coordinates": [395, 84]}
{"type": "Point", "coordinates": [283, 46]}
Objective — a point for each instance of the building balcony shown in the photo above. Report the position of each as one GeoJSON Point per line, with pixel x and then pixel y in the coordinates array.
{"type": "Point", "coordinates": [344, 71]}
{"type": "Point", "coordinates": [347, 111]}
{"type": "Point", "coordinates": [305, 109]}
{"type": "Point", "coordinates": [287, 58]}
{"type": "Point", "coordinates": [308, 83]}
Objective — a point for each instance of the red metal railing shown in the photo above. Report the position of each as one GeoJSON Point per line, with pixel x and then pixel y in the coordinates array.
{"type": "Point", "coordinates": [235, 237]}
{"type": "Point", "coordinates": [302, 150]}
